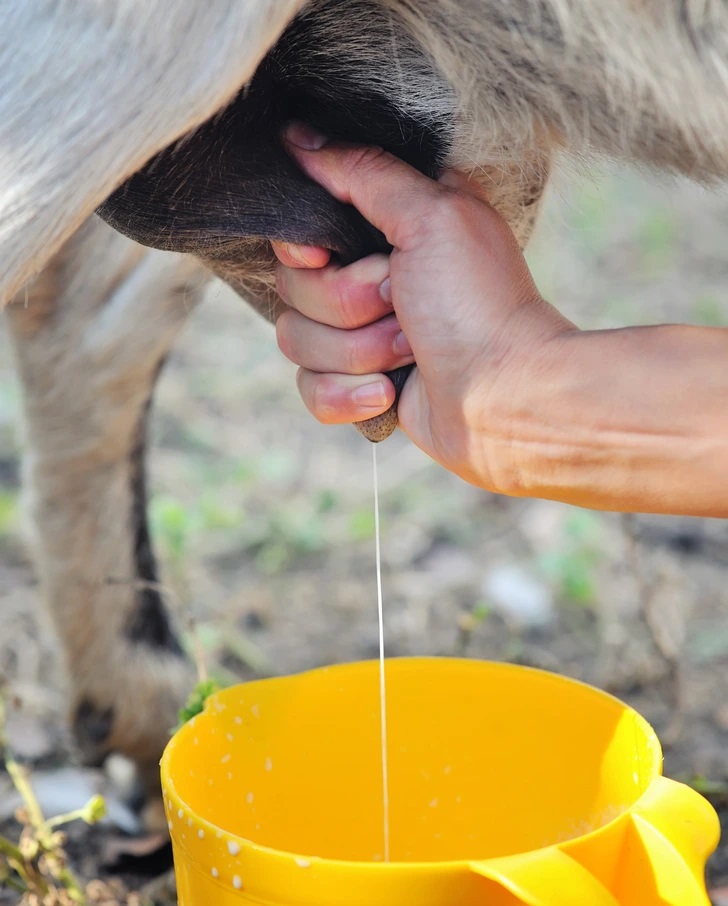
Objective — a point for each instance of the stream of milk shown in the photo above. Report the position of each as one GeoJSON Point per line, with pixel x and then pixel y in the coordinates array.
{"type": "Point", "coordinates": [382, 682]}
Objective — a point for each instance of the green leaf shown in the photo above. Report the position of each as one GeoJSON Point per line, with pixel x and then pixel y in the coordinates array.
{"type": "Point", "coordinates": [196, 700]}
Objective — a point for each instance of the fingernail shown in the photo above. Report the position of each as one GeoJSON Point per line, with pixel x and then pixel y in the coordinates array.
{"type": "Point", "coordinates": [304, 136]}
{"type": "Point", "coordinates": [401, 345]}
{"type": "Point", "coordinates": [371, 396]}
{"type": "Point", "coordinates": [385, 291]}
{"type": "Point", "coordinates": [298, 255]}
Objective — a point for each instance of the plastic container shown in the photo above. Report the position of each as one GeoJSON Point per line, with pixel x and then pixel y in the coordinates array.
{"type": "Point", "coordinates": [507, 785]}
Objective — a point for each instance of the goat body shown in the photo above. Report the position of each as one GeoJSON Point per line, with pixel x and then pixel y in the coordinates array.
{"type": "Point", "coordinates": [167, 118]}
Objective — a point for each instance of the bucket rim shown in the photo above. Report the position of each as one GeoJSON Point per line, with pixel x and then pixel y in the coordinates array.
{"type": "Point", "coordinates": [176, 806]}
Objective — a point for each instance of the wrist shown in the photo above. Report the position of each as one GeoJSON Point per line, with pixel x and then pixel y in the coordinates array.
{"type": "Point", "coordinates": [511, 409]}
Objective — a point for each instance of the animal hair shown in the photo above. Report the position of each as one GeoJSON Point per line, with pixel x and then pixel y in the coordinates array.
{"type": "Point", "coordinates": [166, 117]}
{"type": "Point", "coordinates": [89, 92]}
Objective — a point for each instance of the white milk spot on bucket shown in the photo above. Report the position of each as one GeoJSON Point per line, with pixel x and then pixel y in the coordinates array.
{"type": "Point", "coordinates": [229, 737]}
{"type": "Point", "coordinates": [250, 797]}
{"type": "Point", "coordinates": [196, 741]}
{"type": "Point", "coordinates": [201, 834]}
{"type": "Point", "coordinates": [238, 720]}
{"type": "Point", "coordinates": [229, 775]}
{"type": "Point", "coordinates": [218, 834]}
{"type": "Point", "coordinates": [255, 710]}
{"type": "Point", "coordinates": [237, 883]}
{"type": "Point", "coordinates": [233, 847]}
{"type": "Point", "coordinates": [169, 825]}
{"type": "Point", "coordinates": [180, 813]}
{"type": "Point", "coordinates": [303, 863]}
{"type": "Point", "coordinates": [433, 803]}
{"type": "Point", "coordinates": [215, 873]}
{"type": "Point", "coordinates": [269, 764]}
{"type": "Point", "coordinates": [225, 758]}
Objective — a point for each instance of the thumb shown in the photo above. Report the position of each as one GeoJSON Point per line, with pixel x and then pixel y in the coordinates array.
{"type": "Point", "coordinates": [387, 192]}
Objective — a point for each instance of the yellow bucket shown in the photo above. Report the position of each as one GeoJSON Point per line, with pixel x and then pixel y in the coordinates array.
{"type": "Point", "coordinates": [507, 785]}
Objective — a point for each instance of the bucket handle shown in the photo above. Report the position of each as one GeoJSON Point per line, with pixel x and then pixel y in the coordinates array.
{"type": "Point", "coordinates": [546, 877]}
{"type": "Point", "coordinates": [673, 831]}
{"type": "Point", "coordinates": [683, 817]}
{"type": "Point", "coordinates": [666, 839]}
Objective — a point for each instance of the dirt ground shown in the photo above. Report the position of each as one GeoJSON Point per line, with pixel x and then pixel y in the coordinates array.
{"type": "Point", "coordinates": [263, 518]}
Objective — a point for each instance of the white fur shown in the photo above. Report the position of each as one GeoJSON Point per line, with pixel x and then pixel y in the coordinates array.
{"type": "Point", "coordinates": [90, 89]}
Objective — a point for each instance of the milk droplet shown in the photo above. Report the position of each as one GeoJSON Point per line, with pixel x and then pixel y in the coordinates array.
{"type": "Point", "coordinates": [237, 883]}
{"type": "Point", "coordinates": [229, 737]}
{"type": "Point", "coordinates": [238, 720]}
{"type": "Point", "coordinates": [180, 813]}
{"type": "Point", "coordinates": [215, 873]}
{"type": "Point", "coordinates": [303, 863]}
{"type": "Point", "coordinates": [433, 803]}
{"type": "Point", "coordinates": [255, 710]}
{"type": "Point", "coordinates": [233, 847]}
{"type": "Point", "coordinates": [201, 833]}
{"type": "Point", "coordinates": [225, 758]}
{"type": "Point", "coordinates": [250, 797]}
{"type": "Point", "coordinates": [268, 764]}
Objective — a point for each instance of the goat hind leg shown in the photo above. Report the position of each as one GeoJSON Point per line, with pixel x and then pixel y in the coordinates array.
{"type": "Point", "coordinates": [89, 341]}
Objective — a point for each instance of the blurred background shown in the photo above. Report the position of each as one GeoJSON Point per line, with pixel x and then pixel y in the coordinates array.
{"type": "Point", "coordinates": [263, 519]}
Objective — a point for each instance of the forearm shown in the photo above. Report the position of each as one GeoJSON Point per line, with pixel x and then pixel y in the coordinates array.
{"type": "Point", "coordinates": [634, 420]}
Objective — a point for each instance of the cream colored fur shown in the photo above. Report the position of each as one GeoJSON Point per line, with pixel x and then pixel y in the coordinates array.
{"type": "Point", "coordinates": [88, 344]}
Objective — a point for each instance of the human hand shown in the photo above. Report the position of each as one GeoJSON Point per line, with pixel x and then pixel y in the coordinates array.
{"type": "Point", "coordinates": [455, 296]}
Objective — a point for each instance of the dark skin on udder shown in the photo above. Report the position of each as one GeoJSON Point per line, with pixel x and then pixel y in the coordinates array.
{"type": "Point", "coordinates": [231, 186]}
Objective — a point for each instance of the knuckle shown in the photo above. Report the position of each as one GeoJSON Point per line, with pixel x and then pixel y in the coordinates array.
{"type": "Point", "coordinates": [353, 357]}
{"type": "Point", "coordinates": [444, 214]}
{"type": "Point", "coordinates": [346, 300]}
{"type": "Point", "coordinates": [365, 161]}
{"type": "Point", "coordinates": [284, 335]}
{"type": "Point", "coordinates": [321, 405]}
{"type": "Point", "coordinates": [452, 210]}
